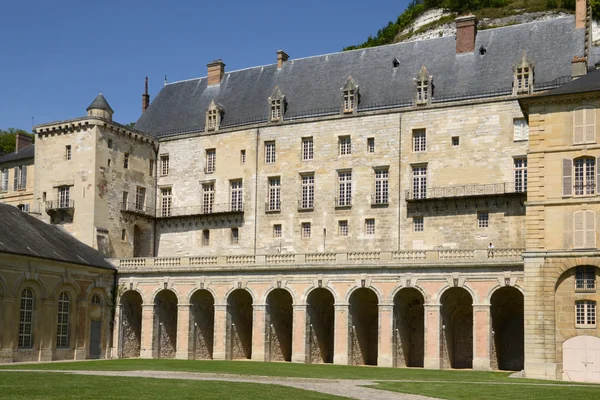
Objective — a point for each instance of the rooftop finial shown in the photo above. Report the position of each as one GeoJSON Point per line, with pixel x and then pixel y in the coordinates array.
{"type": "Point", "coordinates": [165, 79]}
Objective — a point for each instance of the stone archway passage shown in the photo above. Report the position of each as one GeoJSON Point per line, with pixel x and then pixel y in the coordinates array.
{"type": "Point", "coordinates": [457, 329]}
{"type": "Point", "coordinates": [364, 327]}
{"type": "Point", "coordinates": [165, 324]}
{"type": "Point", "coordinates": [320, 323]}
{"type": "Point", "coordinates": [131, 324]}
{"type": "Point", "coordinates": [239, 325]}
{"type": "Point", "coordinates": [279, 326]}
{"type": "Point", "coordinates": [508, 340]}
{"type": "Point", "coordinates": [202, 325]}
{"type": "Point", "coordinates": [409, 328]}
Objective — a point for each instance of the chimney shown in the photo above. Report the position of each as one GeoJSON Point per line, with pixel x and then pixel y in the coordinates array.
{"type": "Point", "coordinates": [580, 13]}
{"type": "Point", "coordinates": [282, 57]}
{"type": "Point", "coordinates": [145, 98]}
{"type": "Point", "coordinates": [578, 67]}
{"type": "Point", "coordinates": [216, 70]}
{"type": "Point", "coordinates": [22, 141]}
{"type": "Point", "coordinates": [466, 31]}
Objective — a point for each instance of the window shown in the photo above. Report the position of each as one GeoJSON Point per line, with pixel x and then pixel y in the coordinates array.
{"type": "Point", "coordinates": [520, 129]}
{"type": "Point", "coordinates": [305, 230]}
{"type": "Point", "coordinates": [349, 96]}
{"type": "Point", "coordinates": [164, 165]}
{"type": "Point", "coordinates": [68, 152]}
{"type": "Point", "coordinates": [308, 192]}
{"type": "Point", "coordinates": [236, 195]}
{"type": "Point", "coordinates": [419, 140]}
{"type": "Point", "coordinates": [520, 175]}
{"type": "Point", "coordinates": [585, 313]}
{"type": "Point", "coordinates": [211, 158]}
{"type": "Point", "coordinates": [584, 229]}
{"type": "Point", "coordinates": [213, 116]}
{"type": "Point", "coordinates": [23, 207]}
{"type": "Point", "coordinates": [274, 203]}
{"type": "Point", "coordinates": [343, 228]}
{"type": "Point", "coordinates": [455, 141]}
{"type": "Point", "coordinates": [208, 197]}
{"type": "Point", "coordinates": [125, 200]}
{"type": "Point", "coordinates": [345, 189]}
{"type": "Point", "coordinates": [483, 219]}
{"type": "Point", "coordinates": [584, 125]}
{"type": "Point", "coordinates": [108, 162]}
{"type": "Point", "coordinates": [423, 87]}
{"type": "Point", "coordinates": [371, 145]}
{"type": "Point", "coordinates": [522, 79]}
{"type": "Point", "coordinates": [4, 181]}
{"type": "Point", "coordinates": [20, 178]}
{"type": "Point", "coordinates": [585, 279]}
{"type": "Point", "coordinates": [523, 75]}
{"type": "Point", "coordinates": [381, 186]}
{"type": "Point", "coordinates": [151, 168]}
{"type": "Point", "coordinates": [140, 198]}
{"type": "Point", "coordinates": [96, 300]}
{"type": "Point", "coordinates": [126, 161]}
{"type": "Point", "coordinates": [370, 226]}
{"type": "Point", "coordinates": [109, 143]}
{"type": "Point", "coordinates": [243, 156]}
{"type": "Point", "coordinates": [166, 197]}
{"type": "Point", "coordinates": [123, 235]}
{"type": "Point", "coordinates": [235, 235]}
{"type": "Point", "coordinates": [348, 101]}
{"type": "Point", "coordinates": [585, 168]}
{"type": "Point", "coordinates": [307, 149]}
{"type": "Point", "coordinates": [422, 91]}
{"type": "Point", "coordinates": [277, 105]}
{"type": "Point", "coordinates": [419, 182]}
{"type": "Point", "coordinates": [205, 237]}
{"type": "Point", "coordinates": [62, 327]}
{"type": "Point", "coordinates": [212, 120]}
{"type": "Point", "coordinates": [26, 320]}
{"type": "Point", "coordinates": [275, 110]}
{"type": "Point", "coordinates": [277, 230]}
{"type": "Point", "coordinates": [418, 224]}
{"type": "Point", "coordinates": [63, 196]}
{"type": "Point", "coordinates": [270, 152]}
{"type": "Point", "coordinates": [345, 145]}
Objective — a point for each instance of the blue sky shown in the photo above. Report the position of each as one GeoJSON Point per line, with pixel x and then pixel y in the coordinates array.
{"type": "Point", "coordinates": [55, 56]}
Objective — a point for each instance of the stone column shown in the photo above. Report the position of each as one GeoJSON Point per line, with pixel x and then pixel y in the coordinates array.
{"type": "Point", "coordinates": [147, 342]}
{"type": "Point", "coordinates": [115, 351]}
{"type": "Point", "coordinates": [481, 337]}
{"type": "Point", "coordinates": [432, 336]}
{"type": "Point", "coordinates": [340, 343]}
{"type": "Point", "coordinates": [46, 330]}
{"type": "Point", "coordinates": [183, 332]}
{"type": "Point", "coordinates": [81, 349]}
{"type": "Point", "coordinates": [10, 328]}
{"type": "Point", "coordinates": [220, 332]}
{"type": "Point", "coordinates": [299, 334]}
{"type": "Point", "coordinates": [384, 352]}
{"type": "Point", "coordinates": [258, 332]}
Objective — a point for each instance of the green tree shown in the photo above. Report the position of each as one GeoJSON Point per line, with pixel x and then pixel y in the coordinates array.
{"type": "Point", "coordinates": [7, 139]}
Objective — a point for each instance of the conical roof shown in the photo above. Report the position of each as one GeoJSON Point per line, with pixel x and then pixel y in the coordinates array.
{"type": "Point", "coordinates": [100, 103]}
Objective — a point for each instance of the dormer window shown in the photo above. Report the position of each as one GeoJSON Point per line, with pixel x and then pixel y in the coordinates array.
{"type": "Point", "coordinates": [523, 76]}
{"type": "Point", "coordinates": [423, 87]}
{"type": "Point", "coordinates": [350, 97]}
{"type": "Point", "coordinates": [277, 106]}
{"type": "Point", "coordinates": [213, 116]}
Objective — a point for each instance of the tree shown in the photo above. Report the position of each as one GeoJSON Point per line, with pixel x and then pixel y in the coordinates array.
{"type": "Point", "coordinates": [7, 139]}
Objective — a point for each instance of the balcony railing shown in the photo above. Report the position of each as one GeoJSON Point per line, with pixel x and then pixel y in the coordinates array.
{"type": "Point", "coordinates": [306, 205]}
{"type": "Point", "coordinates": [273, 206]}
{"type": "Point", "coordinates": [492, 189]}
{"type": "Point", "coordinates": [204, 209]}
{"type": "Point", "coordinates": [57, 205]}
{"type": "Point", "coordinates": [137, 208]}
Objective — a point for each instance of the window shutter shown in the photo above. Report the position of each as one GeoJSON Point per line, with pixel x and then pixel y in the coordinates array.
{"type": "Point", "coordinates": [590, 124]}
{"type": "Point", "coordinates": [24, 177]}
{"type": "Point", "coordinates": [578, 126]}
{"type": "Point", "coordinates": [578, 230]}
{"type": "Point", "coordinates": [567, 187]}
{"type": "Point", "coordinates": [590, 230]}
{"type": "Point", "coordinates": [16, 180]}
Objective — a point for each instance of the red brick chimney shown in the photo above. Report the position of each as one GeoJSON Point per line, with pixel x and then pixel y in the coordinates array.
{"type": "Point", "coordinates": [22, 141]}
{"type": "Point", "coordinates": [466, 31]}
{"type": "Point", "coordinates": [145, 98]}
{"type": "Point", "coordinates": [216, 71]}
{"type": "Point", "coordinates": [281, 58]}
{"type": "Point", "coordinates": [580, 13]}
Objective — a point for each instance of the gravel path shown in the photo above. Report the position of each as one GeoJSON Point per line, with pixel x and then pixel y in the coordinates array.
{"type": "Point", "coordinates": [340, 387]}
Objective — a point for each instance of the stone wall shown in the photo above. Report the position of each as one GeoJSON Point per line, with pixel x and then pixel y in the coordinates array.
{"type": "Point", "coordinates": [131, 321]}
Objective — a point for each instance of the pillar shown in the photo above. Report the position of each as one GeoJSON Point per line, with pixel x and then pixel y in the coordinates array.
{"type": "Point", "coordinates": [299, 334]}
{"type": "Point", "coordinates": [146, 350]}
{"type": "Point", "coordinates": [432, 336]}
{"type": "Point", "coordinates": [481, 337]}
{"type": "Point", "coordinates": [115, 351]}
{"type": "Point", "coordinates": [386, 319]}
{"type": "Point", "coordinates": [340, 342]}
{"type": "Point", "coordinates": [183, 332]}
{"type": "Point", "coordinates": [82, 344]}
{"type": "Point", "coordinates": [258, 332]}
{"type": "Point", "coordinates": [220, 332]}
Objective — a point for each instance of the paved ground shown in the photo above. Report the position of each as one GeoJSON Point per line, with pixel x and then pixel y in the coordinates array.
{"type": "Point", "coordinates": [340, 387]}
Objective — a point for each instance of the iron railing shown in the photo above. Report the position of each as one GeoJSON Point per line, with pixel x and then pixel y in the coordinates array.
{"type": "Point", "coordinates": [138, 208]}
{"type": "Point", "coordinates": [204, 209]}
{"type": "Point", "coordinates": [492, 189]}
{"type": "Point", "coordinates": [53, 205]}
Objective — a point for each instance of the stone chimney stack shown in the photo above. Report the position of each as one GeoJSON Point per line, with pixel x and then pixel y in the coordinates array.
{"type": "Point", "coordinates": [466, 31]}
{"type": "Point", "coordinates": [145, 98]}
{"type": "Point", "coordinates": [281, 58]}
{"type": "Point", "coordinates": [578, 67]}
{"type": "Point", "coordinates": [216, 71]}
{"type": "Point", "coordinates": [580, 13]}
{"type": "Point", "coordinates": [22, 141]}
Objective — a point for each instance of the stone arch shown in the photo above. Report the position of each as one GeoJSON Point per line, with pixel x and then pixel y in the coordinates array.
{"type": "Point", "coordinates": [134, 289]}
{"type": "Point", "coordinates": [330, 289]}
{"type": "Point", "coordinates": [287, 288]}
{"type": "Point", "coordinates": [130, 324]}
{"type": "Point", "coordinates": [409, 328]}
{"type": "Point", "coordinates": [196, 289]}
{"type": "Point", "coordinates": [202, 323]}
{"type": "Point", "coordinates": [456, 309]}
{"type": "Point", "coordinates": [165, 324]}
{"type": "Point", "coordinates": [39, 287]}
{"type": "Point", "coordinates": [508, 329]}
{"type": "Point", "coordinates": [250, 291]}
{"type": "Point", "coordinates": [240, 308]}
{"type": "Point", "coordinates": [160, 289]}
{"type": "Point", "coordinates": [494, 289]}
{"type": "Point", "coordinates": [278, 325]}
{"type": "Point", "coordinates": [363, 329]}
{"type": "Point", "coordinates": [440, 293]}
{"type": "Point", "coordinates": [559, 267]}
{"type": "Point", "coordinates": [320, 325]}
{"type": "Point", "coordinates": [400, 287]}
{"type": "Point", "coordinates": [374, 289]}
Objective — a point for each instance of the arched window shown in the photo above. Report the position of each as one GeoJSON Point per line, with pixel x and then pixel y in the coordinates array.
{"type": "Point", "coordinates": [26, 320]}
{"type": "Point", "coordinates": [62, 328]}
{"type": "Point", "coordinates": [584, 125]}
{"type": "Point", "coordinates": [96, 300]}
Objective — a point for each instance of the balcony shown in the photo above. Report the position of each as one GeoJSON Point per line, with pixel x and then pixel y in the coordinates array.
{"type": "Point", "coordinates": [138, 209]}
{"type": "Point", "coordinates": [380, 200]}
{"type": "Point", "coordinates": [273, 206]}
{"type": "Point", "coordinates": [60, 205]}
{"type": "Point", "coordinates": [451, 192]}
{"type": "Point", "coordinates": [205, 209]}
{"type": "Point", "coordinates": [306, 205]}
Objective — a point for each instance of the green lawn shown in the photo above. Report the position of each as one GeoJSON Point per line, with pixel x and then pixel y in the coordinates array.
{"type": "Point", "coordinates": [34, 386]}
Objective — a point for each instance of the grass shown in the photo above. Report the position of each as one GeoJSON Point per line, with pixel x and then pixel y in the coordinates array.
{"type": "Point", "coordinates": [34, 386]}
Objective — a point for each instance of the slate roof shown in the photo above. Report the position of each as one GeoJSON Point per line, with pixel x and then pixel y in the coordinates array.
{"type": "Point", "coordinates": [586, 83]}
{"type": "Point", "coordinates": [100, 103]}
{"type": "Point", "coordinates": [314, 83]}
{"type": "Point", "coordinates": [21, 233]}
{"type": "Point", "coordinates": [27, 152]}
